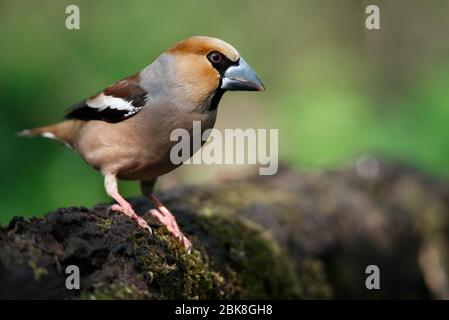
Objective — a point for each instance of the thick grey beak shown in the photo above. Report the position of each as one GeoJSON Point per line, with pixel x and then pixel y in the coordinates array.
{"type": "Point", "coordinates": [242, 78]}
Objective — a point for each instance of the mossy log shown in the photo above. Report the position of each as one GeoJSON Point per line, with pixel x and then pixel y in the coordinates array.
{"type": "Point", "coordinates": [295, 235]}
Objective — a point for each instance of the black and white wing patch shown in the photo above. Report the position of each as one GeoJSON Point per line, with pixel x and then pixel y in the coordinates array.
{"type": "Point", "coordinates": [114, 104]}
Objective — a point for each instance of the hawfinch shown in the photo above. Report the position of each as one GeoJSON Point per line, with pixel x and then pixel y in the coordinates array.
{"type": "Point", "coordinates": [124, 130]}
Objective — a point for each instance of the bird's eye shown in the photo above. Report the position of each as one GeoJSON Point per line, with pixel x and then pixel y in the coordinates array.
{"type": "Point", "coordinates": [215, 57]}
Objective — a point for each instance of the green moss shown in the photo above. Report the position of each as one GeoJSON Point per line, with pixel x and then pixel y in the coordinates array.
{"type": "Point", "coordinates": [38, 272]}
{"type": "Point", "coordinates": [314, 282]}
{"type": "Point", "coordinates": [252, 264]}
{"type": "Point", "coordinates": [232, 258]}
{"type": "Point", "coordinates": [244, 263]}
{"type": "Point", "coordinates": [208, 201]}
{"type": "Point", "coordinates": [174, 274]}
{"type": "Point", "coordinates": [115, 291]}
{"type": "Point", "coordinates": [104, 224]}
{"type": "Point", "coordinates": [250, 246]}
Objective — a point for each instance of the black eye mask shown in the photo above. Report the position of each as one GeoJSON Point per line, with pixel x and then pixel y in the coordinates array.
{"type": "Point", "coordinates": [223, 64]}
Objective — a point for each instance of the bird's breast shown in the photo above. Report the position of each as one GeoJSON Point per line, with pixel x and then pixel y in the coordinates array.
{"type": "Point", "coordinates": [160, 133]}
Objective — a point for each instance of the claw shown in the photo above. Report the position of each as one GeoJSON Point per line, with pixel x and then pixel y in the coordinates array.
{"type": "Point", "coordinates": [187, 244]}
{"type": "Point", "coordinates": [149, 230]}
{"type": "Point", "coordinates": [115, 208]}
{"type": "Point", "coordinates": [142, 223]}
{"type": "Point", "coordinates": [168, 220]}
{"type": "Point", "coordinates": [128, 211]}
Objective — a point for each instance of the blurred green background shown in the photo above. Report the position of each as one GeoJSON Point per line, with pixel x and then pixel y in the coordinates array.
{"type": "Point", "coordinates": [335, 90]}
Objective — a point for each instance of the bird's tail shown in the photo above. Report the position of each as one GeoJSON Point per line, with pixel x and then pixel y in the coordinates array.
{"type": "Point", "coordinates": [36, 132]}
{"type": "Point", "coordinates": [65, 131]}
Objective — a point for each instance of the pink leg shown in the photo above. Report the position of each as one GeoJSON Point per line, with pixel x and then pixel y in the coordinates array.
{"type": "Point", "coordinates": [169, 221]}
{"type": "Point", "coordinates": [123, 205]}
{"type": "Point", "coordinates": [126, 208]}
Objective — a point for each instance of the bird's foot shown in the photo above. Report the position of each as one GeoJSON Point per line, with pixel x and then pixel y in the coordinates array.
{"type": "Point", "coordinates": [166, 218]}
{"type": "Point", "coordinates": [129, 212]}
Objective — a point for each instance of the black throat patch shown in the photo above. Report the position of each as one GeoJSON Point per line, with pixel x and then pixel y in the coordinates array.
{"type": "Point", "coordinates": [216, 99]}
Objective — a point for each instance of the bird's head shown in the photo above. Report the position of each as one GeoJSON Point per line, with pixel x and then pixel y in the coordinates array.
{"type": "Point", "coordinates": [207, 67]}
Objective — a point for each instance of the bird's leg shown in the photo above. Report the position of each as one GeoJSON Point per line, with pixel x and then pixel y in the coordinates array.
{"type": "Point", "coordinates": [110, 183]}
{"type": "Point", "coordinates": [169, 221]}
{"type": "Point", "coordinates": [162, 214]}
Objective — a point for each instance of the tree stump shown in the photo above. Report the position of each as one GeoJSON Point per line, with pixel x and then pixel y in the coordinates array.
{"type": "Point", "coordinates": [296, 235]}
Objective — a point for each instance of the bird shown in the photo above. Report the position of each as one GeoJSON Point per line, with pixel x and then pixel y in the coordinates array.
{"type": "Point", "coordinates": [124, 130]}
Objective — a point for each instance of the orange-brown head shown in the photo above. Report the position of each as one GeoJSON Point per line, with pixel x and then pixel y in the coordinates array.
{"type": "Point", "coordinates": [207, 67]}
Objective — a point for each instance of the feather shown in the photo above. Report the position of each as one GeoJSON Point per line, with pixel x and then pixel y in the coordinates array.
{"type": "Point", "coordinates": [114, 104]}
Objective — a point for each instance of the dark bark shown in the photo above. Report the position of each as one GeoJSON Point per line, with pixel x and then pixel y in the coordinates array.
{"type": "Point", "coordinates": [294, 235]}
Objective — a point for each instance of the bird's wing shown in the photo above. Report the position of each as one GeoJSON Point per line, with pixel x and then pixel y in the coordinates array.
{"type": "Point", "coordinates": [116, 103]}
